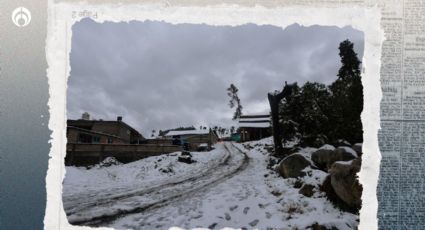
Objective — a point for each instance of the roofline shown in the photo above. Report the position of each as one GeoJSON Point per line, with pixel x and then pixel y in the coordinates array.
{"type": "Point", "coordinates": [119, 122]}
{"type": "Point", "coordinates": [260, 121]}
{"type": "Point", "coordinates": [255, 116]}
{"type": "Point", "coordinates": [94, 132]}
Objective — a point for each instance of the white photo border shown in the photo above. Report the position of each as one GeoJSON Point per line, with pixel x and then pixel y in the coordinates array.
{"type": "Point", "coordinates": [58, 46]}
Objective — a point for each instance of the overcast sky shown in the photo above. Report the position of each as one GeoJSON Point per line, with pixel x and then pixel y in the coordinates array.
{"type": "Point", "coordinates": [159, 76]}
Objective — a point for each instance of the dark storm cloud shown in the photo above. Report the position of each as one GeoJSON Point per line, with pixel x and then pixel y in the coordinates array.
{"type": "Point", "coordinates": [158, 76]}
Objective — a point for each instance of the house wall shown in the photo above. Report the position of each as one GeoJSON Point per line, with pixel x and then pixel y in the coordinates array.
{"type": "Point", "coordinates": [251, 134]}
{"type": "Point", "coordinates": [196, 140]}
{"type": "Point", "coordinates": [113, 128]}
{"type": "Point", "coordinates": [73, 137]}
{"type": "Point", "coordinates": [116, 128]}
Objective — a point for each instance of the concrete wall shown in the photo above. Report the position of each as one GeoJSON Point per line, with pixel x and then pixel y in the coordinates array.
{"type": "Point", "coordinates": [158, 141]}
{"type": "Point", "coordinates": [89, 154]}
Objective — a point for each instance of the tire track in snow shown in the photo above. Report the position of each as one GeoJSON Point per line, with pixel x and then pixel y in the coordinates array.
{"type": "Point", "coordinates": [71, 207]}
{"type": "Point", "coordinates": [209, 178]}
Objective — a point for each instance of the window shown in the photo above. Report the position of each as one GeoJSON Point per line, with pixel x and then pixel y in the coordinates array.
{"type": "Point", "coordinates": [110, 140]}
{"type": "Point", "coordinates": [96, 139]}
{"type": "Point", "coordinates": [84, 138]}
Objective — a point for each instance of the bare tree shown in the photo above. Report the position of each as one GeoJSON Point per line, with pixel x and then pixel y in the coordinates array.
{"type": "Point", "coordinates": [274, 100]}
{"type": "Point", "coordinates": [232, 92]}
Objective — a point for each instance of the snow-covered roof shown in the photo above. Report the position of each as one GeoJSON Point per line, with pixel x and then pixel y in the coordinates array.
{"type": "Point", "coordinates": [187, 132]}
{"type": "Point", "coordinates": [255, 121]}
{"type": "Point", "coordinates": [254, 125]}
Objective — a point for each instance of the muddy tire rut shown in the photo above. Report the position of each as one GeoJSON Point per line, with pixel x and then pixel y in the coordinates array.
{"type": "Point", "coordinates": [127, 203]}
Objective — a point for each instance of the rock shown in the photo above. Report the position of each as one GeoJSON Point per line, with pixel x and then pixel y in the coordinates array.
{"type": "Point", "coordinates": [345, 184]}
{"type": "Point", "coordinates": [185, 153]}
{"type": "Point", "coordinates": [313, 140]}
{"type": "Point", "coordinates": [185, 159]}
{"type": "Point", "coordinates": [268, 215]}
{"type": "Point", "coordinates": [286, 151]}
{"type": "Point", "coordinates": [293, 166]}
{"type": "Point", "coordinates": [109, 161]}
{"type": "Point", "coordinates": [342, 142]}
{"type": "Point", "coordinates": [269, 148]}
{"type": "Point", "coordinates": [358, 148]}
{"type": "Point", "coordinates": [317, 226]}
{"type": "Point", "coordinates": [326, 187]}
{"type": "Point", "coordinates": [166, 170]}
{"type": "Point", "coordinates": [253, 223]}
{"type": "Point", "coordinates": [307, 190]}
{"type": "Point", "coordinates": [245, 210]}
{"type": "Point", "coordinates": [320, 140]}
{"type": "Point", "coordinates": [212, 226]}
{"type": "Point", "coordinates": [324, 157]}
{"type": "Point", "coordinates": [227, 216]}
{"type": "Point", "coordinates": [273, 161]}
{"type": "Point", "coordinates": [298, 184]}
{"type": "Point", "coordinates": [345, 152]}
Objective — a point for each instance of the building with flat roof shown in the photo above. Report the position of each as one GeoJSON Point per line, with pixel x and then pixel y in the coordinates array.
{"type": "Point", "coordinates": [196, 138]}
{"type": "Point", "coordinates": [254, 127]}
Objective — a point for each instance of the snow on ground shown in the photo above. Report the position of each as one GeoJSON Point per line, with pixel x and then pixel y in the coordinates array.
{"type": "Point", "coordinates": [296, 210]}
{"type": "Point", "coordinates": [147, 171]}
{"type": "Point", "coordinates": [251, 196]}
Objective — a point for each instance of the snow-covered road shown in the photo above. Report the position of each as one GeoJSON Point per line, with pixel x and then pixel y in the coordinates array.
{"type": "Point", "coordinates": [228, 187]}
{"type": "Point", "coordinates": [101, 207]}
{"type": "Point", "coordinates": [239, 200]}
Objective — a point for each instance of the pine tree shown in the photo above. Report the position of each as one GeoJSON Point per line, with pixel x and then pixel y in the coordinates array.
{"type": "Point", "coordinates": [347, 96]}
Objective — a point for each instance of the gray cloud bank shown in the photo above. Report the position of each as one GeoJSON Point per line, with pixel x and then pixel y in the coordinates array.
{"type": "Point", "coordinates": [158, 75]}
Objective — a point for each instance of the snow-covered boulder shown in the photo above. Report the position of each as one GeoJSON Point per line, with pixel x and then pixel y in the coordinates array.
{"type": "Point", "coordinates": [313, 141]}
{"type": "Point", "coordinates": [293, 166]}
{"type": "Point", "coordinates": [109, 161]}
{"type": "Point", "coordinates": [325, 156]}
{"type": "Point", "coordinates": [317, 226]}
{"type": "Point", "coordinates": [342, 142]}
{"type": "Point", "coordinates": [344, 182]}
{"type": "Point", "coordinates": [286, 151]}
{"type": "Point", "coordinates": [185, 157]}
{"type": "Point", "coordinates": [358, 148]}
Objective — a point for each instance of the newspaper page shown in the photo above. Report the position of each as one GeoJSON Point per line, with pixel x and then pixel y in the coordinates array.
{"type": "Point", "coordinates": [401, 140]}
